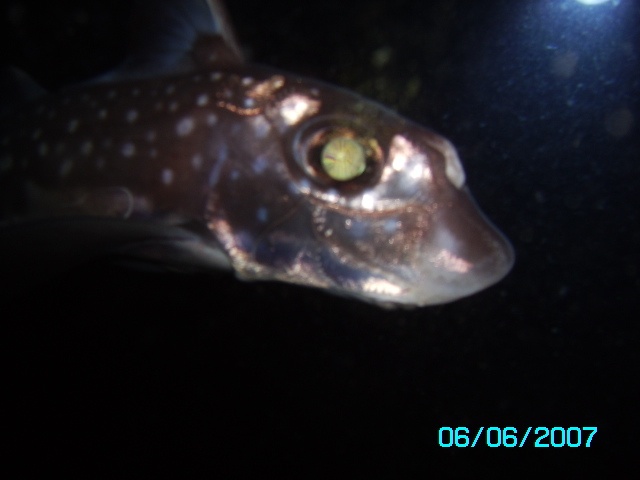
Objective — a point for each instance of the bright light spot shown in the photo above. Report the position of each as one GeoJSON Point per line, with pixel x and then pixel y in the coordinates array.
{"type": "Point", "coordinates": [449, 261]}
{"type": "Point", "coordinates": [368, 201]}
{"type": "Point", "coordinates": [408, 159]}
{"type": "Point", "coordinates": [453, 167]}
{"type": "Point", "coordinates": [592, 2]}
{"type": "Point", "coordinates": [379, 286]}
{"type": "Point", "coordinates": [296, 107]}
{"type": "Point", "coordinates": [399, 162]}
{"type": "Point", "coordinates": [417, 172]}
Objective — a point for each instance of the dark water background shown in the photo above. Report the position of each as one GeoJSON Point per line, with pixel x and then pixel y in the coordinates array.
{"type": "Point", "coordinates": [108, 367]}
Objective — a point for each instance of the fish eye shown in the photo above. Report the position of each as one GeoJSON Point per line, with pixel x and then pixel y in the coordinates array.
{"type": "Point", "coordinates": [337, 152]}
{"type": "Point", "coordinates": [343, 159]}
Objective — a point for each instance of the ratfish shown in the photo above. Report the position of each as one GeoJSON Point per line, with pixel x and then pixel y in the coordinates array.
{"type": "Point", "coordinates": [189, 158]}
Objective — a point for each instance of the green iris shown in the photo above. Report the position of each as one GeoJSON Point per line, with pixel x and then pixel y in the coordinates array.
{"type": "Point", "coordinates": [343, 159]}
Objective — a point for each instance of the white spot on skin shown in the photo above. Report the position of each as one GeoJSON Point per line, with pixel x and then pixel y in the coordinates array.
{"type": "Point", "coordinates": [260, 164]}
{"type": "Point", "coordinates": [246, 81]}
{"type": "Point", "coordinates": [392, 225]}
{"type": "Point", "coordinates": [173, 106]}
{"type": "Point", "coordinates": [65, 168]}
{"type": "Point", "coordinates": [249, 103]}
{"type": "Point", "coordinates": [261, 126]}
{"type": "Point", "coordinates": [73, 125]}
{"type": "Point", "coordinates": [128, 149]}
{"type": "Point", "coordinates": [202, 100]}
{"type": "Point", "coordinates": [196, 161]}
{"type": "Point", "coordinates": [212, 119]}
{"type": "Point", "coordinates": [167, 176]}
{"type": "Point", "coordinates": [185, 126]}
{"type": "Point", "coordinates": [262, 214]}
{"type": "Point", "coordinates": [132, 116]}
{"type": "Point", "coordinates": [215, 76]}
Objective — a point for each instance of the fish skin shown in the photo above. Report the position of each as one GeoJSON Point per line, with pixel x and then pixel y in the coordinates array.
{"type": "Point", "coordinates": [220, 151]}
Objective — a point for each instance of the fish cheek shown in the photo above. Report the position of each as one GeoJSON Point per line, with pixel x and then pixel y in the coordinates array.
{"type": "Point", "coordinates": [387, 239]}
{"type": "Point", "coordinates": [253, 211]}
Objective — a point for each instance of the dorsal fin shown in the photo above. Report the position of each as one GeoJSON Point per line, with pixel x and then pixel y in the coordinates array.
{"type": "Point", "coordinates": [177, 36]}
{"type": "Point", "coordinates": [16, 87]}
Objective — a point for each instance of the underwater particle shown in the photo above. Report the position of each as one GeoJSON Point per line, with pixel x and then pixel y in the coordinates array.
{"type": "Point", "coordinates": [343, 159]}
{"type": "Point", "coordinates": [619, 122]}
{"type": "Point", "coordinates": [381, 57]}
{"type": "Point", "coordinates": [413, 87]}
{"type": "Point", "coordinates": [6, 163]}
{"type": "Point", "coordinates": [564, 64]}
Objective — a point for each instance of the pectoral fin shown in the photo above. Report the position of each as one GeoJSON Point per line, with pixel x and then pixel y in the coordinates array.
{"type": "Point", "coordinates": [52, 246]}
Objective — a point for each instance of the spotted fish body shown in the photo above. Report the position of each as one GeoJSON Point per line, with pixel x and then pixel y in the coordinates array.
{"type": "Point", "coordinates": [197, 159]}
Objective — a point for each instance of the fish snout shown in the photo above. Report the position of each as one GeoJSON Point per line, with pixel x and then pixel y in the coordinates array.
{"type": "Point", "coordinates": [462, 253]}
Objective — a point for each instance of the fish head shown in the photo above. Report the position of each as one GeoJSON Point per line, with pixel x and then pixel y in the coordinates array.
{"type": "Point", "coordinates": [344, 194]}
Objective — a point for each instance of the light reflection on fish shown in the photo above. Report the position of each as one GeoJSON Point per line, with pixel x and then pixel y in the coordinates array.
{"type": "Point", "coordinates": [188, 157]}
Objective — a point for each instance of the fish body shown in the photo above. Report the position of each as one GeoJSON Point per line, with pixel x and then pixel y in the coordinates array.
{"type": "Point", "coordinates": [187, 156]}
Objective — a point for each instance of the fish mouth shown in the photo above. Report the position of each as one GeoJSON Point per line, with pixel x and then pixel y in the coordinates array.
{"type": "Point", "coordinates": [436, 278]}
{"type": "Point", "coordinates": [452, 271]}
{"type": "Point", "coordinates": [411, 257]}
{"type": "Point", "coordinates": [458, 255]}
{"type": "Point", "coordinates": [465, 253]}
